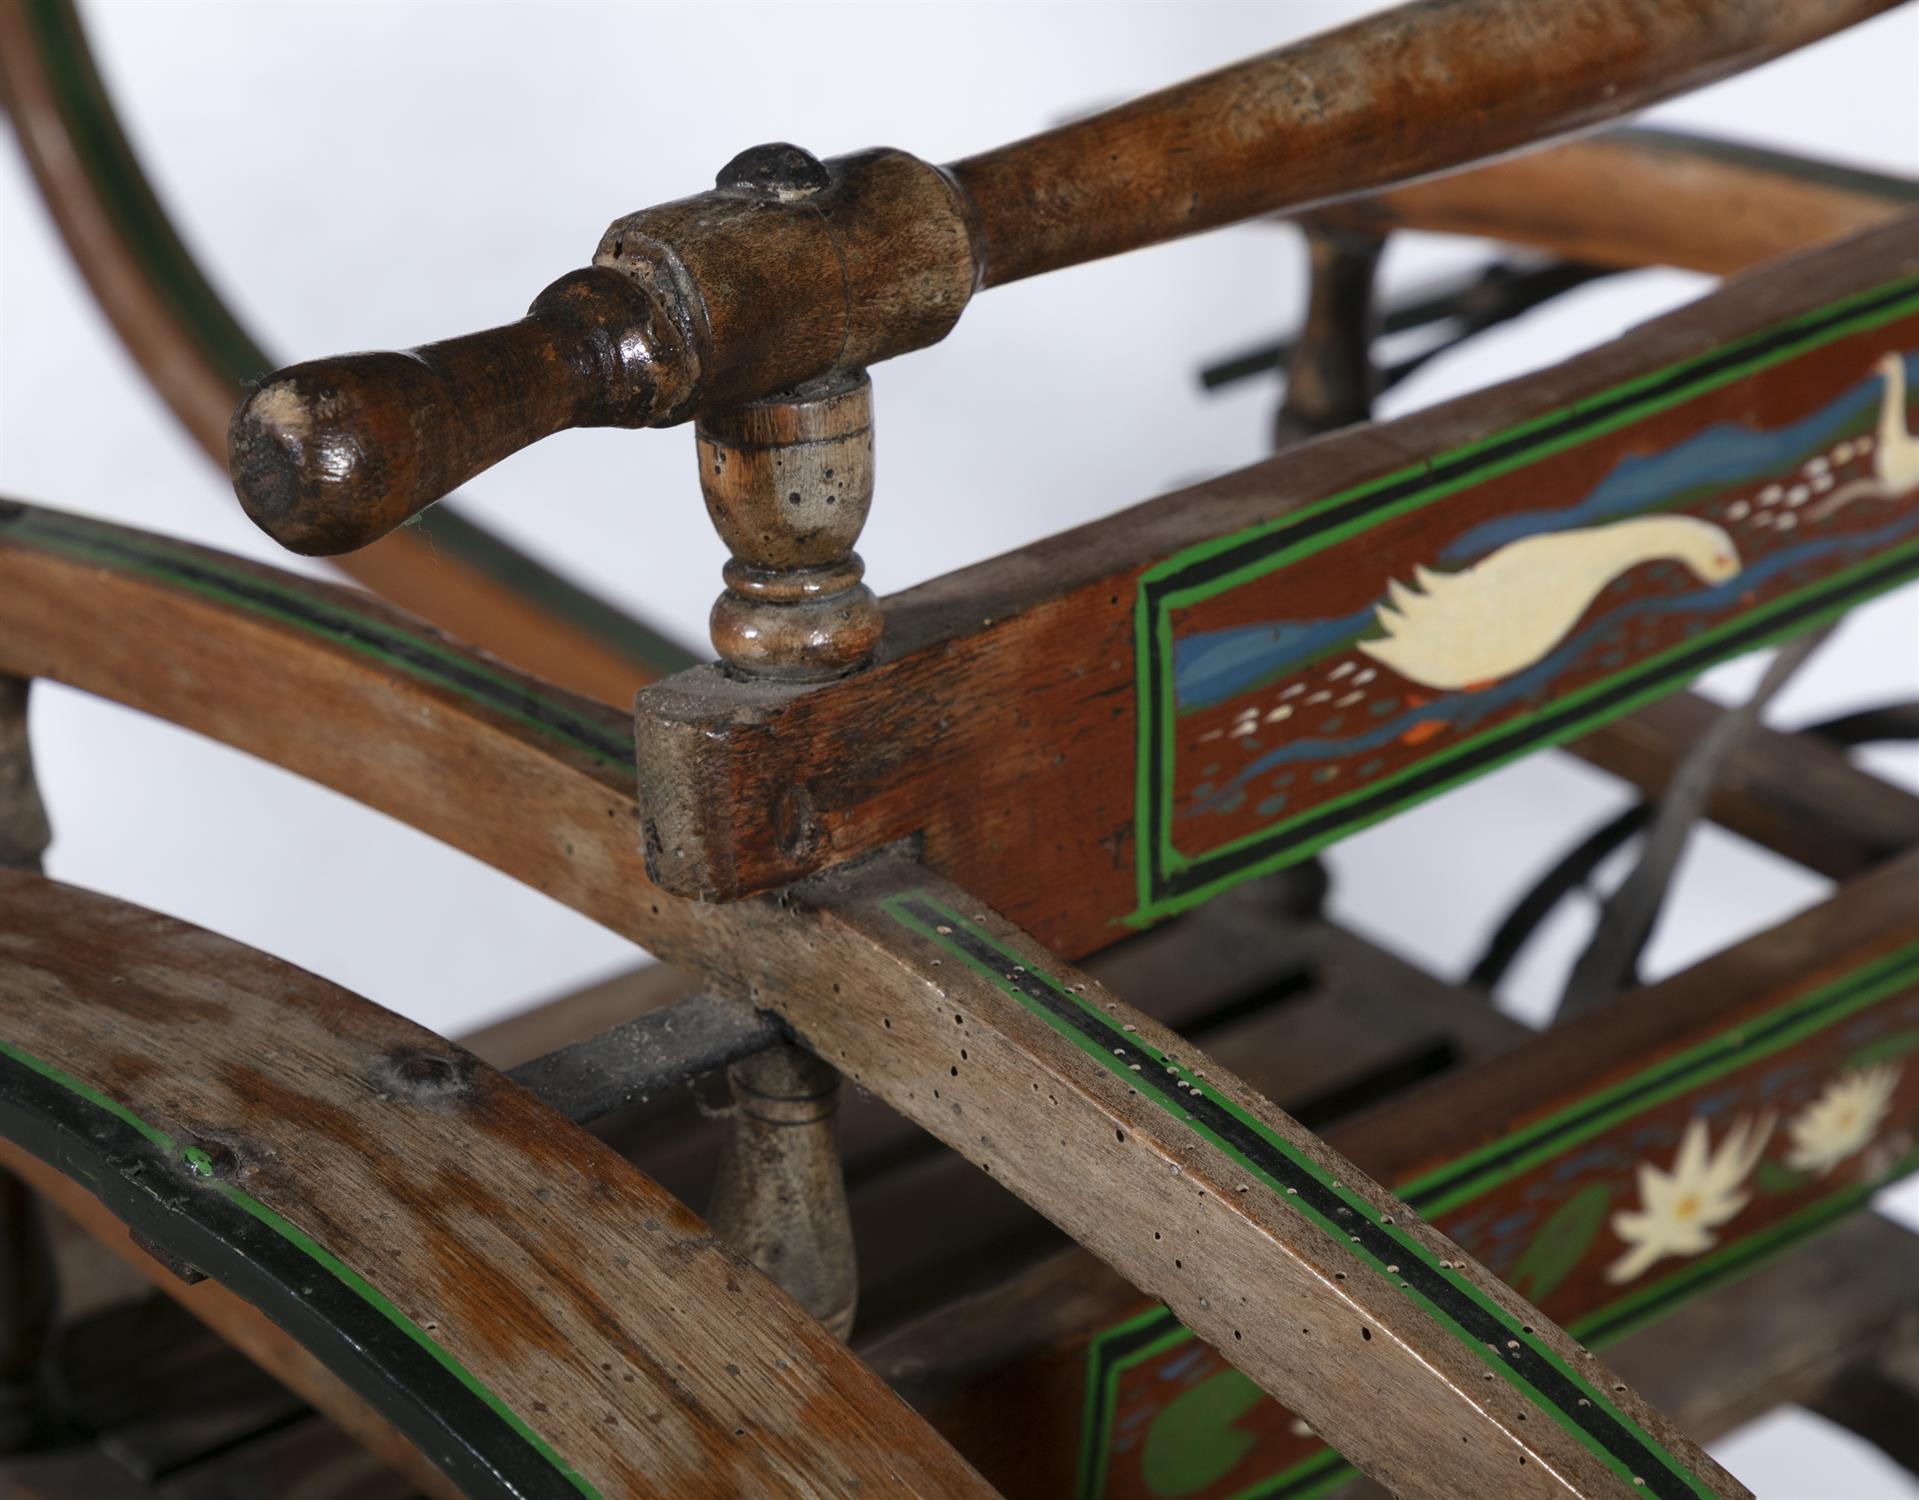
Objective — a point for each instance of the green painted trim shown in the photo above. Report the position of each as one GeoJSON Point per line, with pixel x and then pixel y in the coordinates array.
{"type": "Point", "coordinates": [198, 1163]}
{"type": "Point", "coordinates": [1877, 981]}
{"type": "Point", "coordinates": [1153, 640]}
{"type": "Point", "coordinates": [1093, 1481]}
{"type": "Point", "coordinates": [1648, 1304]}
{"type": "Point", "coordinates": [413, 654]}
{"type": "Point", "coordinates": [1406, 1248]}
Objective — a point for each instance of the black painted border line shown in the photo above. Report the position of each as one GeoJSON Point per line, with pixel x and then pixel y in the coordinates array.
{"type": "Point", "coordinates": [1273, 544]}
{"type": "Point", "coordinates": [168, 1192]}
{"type": "Point", "coordinates": [416, 654]}
{"type": "Point", "coordinates": [1445, 1295]}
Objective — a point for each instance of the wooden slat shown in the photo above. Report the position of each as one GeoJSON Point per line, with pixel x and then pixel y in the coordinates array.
{"type": "Point", "coordinates": [1792, 793]}
{"type": "Point", "coordinates": [1788, 1334]}
{"type": "Point", "coordinates": [1637, 197]}
{"type": "Point", "coordinates": [1315, 1019]}
{"type": "Point", "coordinates": [1019, 722]}
{"type": "Point", "coordinates": [1757, 1033]}
{"type": "Point", "coordinates": [534, 1311]}
{"type": "Point", "coordinates": [1384, 1334]}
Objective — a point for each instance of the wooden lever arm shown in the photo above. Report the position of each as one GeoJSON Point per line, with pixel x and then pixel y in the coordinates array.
{"type": "Point", "coordinates": [330, 455]}
{"type": "Point", "coordinates": [793, 269]}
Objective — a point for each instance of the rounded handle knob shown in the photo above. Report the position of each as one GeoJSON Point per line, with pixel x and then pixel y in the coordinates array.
{"type": "Point", "coordinates": [331, 455]}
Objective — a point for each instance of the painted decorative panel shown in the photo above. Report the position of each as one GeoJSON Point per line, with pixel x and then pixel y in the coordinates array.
{"type": "Point", "coordinates": [1309, 676]}
{"type": "Point", "coordinates": [1605, 1214]}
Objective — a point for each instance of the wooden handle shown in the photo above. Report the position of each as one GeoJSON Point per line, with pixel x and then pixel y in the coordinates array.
{"type": "Point", "coordinates": [331, 455]}
{"type": "Point", "coordinates": [1425, 88]}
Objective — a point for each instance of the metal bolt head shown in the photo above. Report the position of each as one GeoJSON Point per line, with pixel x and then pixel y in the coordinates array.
{"type": "Point", "coordinates": [778, 170]}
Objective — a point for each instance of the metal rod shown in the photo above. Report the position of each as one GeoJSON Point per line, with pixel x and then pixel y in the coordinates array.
{"type": "Point", "coordinates": [646, 1055]}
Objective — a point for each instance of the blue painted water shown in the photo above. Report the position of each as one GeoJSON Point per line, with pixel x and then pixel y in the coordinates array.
{"type": "Point", "coordinates": [1463, 711]}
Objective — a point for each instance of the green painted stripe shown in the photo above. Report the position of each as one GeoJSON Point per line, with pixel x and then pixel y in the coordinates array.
{"type": "Point", "coordinates": [268, 594]}
{"type": "Point", "coordinates": [197, 1162]}
{"type": "Point", "coordinates": [1875, 982]}
{"type": "Point", "coordinates": [1153, 644]}
{"type": "Point", "coordinates": [1406, 1248]}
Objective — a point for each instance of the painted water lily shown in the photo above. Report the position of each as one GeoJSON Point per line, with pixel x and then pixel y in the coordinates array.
{"type": "Point", "coordinates": [1679, 1210]}
{"type": "Point", "coordinates": [1843, 1119]}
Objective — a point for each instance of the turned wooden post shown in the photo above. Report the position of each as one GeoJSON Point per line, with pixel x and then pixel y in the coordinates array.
{"type": "Point", "coordinates": [788, 483]}
{"type": "Point", "coordinates": [28, 1286]}
{"type": "Point", "coordinates": [1331, 380]}
{"type": "Point", "coordinates": [781, 1199]}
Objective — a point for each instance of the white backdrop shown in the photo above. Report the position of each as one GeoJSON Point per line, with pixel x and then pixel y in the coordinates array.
{"type": "Point", "coordinates": [373, 176]}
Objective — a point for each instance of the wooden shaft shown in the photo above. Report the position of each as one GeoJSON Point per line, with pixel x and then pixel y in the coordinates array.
{"type": "Point", "coordinates": [793, 269]}
{"type": "Point", "coordinates": [780, 1199]}
{"type": "Point", "coordinates": [200, 360]}
{"type": "Point", "coordinates": [788, 484]}
{"type": "Point", "coordinates": [1421, 89]}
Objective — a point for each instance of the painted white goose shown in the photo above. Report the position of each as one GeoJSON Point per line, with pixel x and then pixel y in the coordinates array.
{"type": "Point", "coordinates": [1467, 630]}
{"type": "Point", "coordinates": [1895, 454]}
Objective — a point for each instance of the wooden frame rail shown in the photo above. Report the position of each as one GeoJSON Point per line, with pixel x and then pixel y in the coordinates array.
{"type": "Point", "coordinates": [1551, 1162]}
{"type": "Point", "coordinates": [967, 1032]}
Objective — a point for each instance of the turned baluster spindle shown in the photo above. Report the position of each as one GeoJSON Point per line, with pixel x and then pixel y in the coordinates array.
{"type": "Point", "coordinates": [1331, 379]}
{"type": "Point", "coordinates": [781, 1199]}
{"type": "Point", "coordinates": [28, 1286]}
{"type": "Point", "coordinates": [788, 483]}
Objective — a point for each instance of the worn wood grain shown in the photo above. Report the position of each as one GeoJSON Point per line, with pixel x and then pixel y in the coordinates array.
{"type": "Point", "coordinates": [1007, 1374]}
{"type": "Point", "coordinates": [1414, 90]}
{"type": "Point", "coordinates": [591, 1305]}
{"type": "Point", "coordinates": [447, 742]}
{"type": "Point", "coordinates": [1307, 1276]}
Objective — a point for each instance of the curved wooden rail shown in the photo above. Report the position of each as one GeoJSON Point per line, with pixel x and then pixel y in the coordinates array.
{"type": "Point", "coordinates": [1028, 1069]}
{"type": "Point", "coordinates": [200, 359]}
{"type": "Point", "coordinates": [539, 1316]}
{"type": "Point", "coordinates": [1636, 196]}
